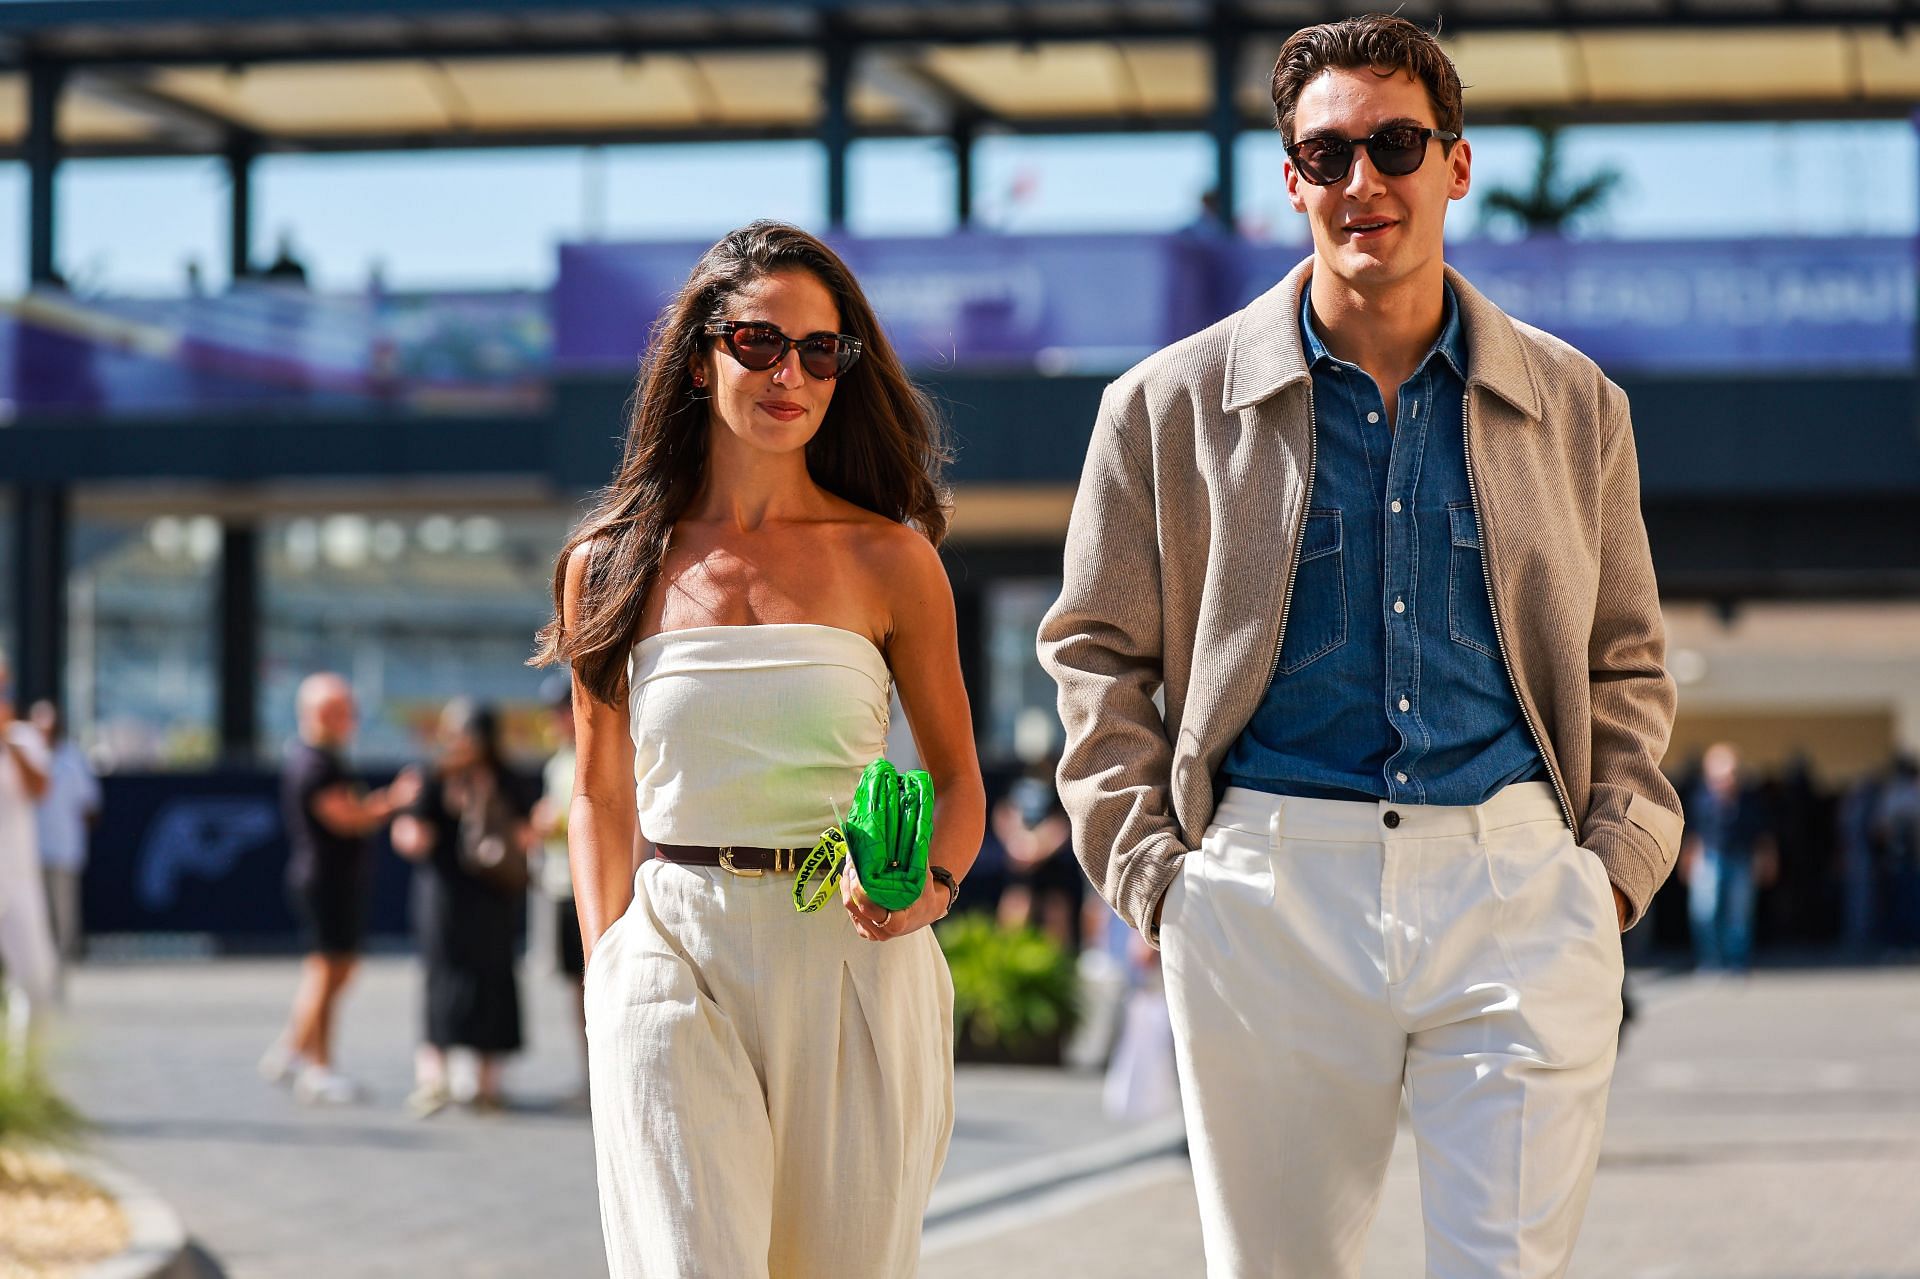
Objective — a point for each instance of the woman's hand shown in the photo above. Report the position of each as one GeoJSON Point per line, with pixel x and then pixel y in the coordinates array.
{"type": "Point", "coordinates": [876, 923]}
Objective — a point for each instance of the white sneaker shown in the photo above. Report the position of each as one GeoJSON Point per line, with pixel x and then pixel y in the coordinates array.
{"type": "Point", "coordinates": [279, 1064]}
{"type": "Point", "coordinates": [319, 1086]}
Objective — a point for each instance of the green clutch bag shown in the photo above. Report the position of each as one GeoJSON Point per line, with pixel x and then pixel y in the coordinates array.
{"type": "Point", "coordinates": [885, 836]}
{"type": "Point", "coordinates": [888, 829]}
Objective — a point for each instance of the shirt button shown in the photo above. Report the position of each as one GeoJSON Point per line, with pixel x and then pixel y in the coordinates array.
{"type": "Point", "coordinates": [1399, 777]}
{"type": "Point", "coordinates": [1396, 506]}
{"type": "Point", "coordinates": [1372, 416]}
{"type": "Point", "coordinates": [1392, 819]}
{"type": "Point", "coordinates": [1399, 606]}
{"type": "Point", "coordinates": [1405, 705]}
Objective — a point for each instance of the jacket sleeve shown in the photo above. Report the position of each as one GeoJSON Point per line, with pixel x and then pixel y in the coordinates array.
{"type": "Point", "coordinates": [1101, 643]}
{"type": "Point", "coordinates": [1633, 819]}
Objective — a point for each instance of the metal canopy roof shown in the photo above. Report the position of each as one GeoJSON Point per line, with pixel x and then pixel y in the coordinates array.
{"type": "Point", "coordinates": [191, 76]}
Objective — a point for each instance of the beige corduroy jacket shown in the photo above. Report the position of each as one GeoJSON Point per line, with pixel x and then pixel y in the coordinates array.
{"type": "Point", "coordinates": [1180, 554]}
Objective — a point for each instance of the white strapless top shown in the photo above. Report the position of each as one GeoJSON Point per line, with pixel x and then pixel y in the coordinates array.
{"type": "Point", "coordinates": [753, 735]}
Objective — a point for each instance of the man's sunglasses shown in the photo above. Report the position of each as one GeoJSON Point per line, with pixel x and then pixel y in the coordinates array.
{"type": "Point", "coordinates": [1396, 151]}
{"type": "Point", "coordinates": [759, 346]}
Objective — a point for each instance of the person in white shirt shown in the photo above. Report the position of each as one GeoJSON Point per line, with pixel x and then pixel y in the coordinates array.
{"type": "Point", "coordinates": [68, 812]}
{"type": "Point", "coordinates": [26, 943]}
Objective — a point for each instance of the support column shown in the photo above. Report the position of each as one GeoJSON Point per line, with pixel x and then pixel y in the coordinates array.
{"type": "Point", "coordinates": [241, 150]}
{"type": "Point", "coordinates": [964, 132]}
{"type": "Point", "coordinates": [41, 150]}
{"type": "Point", "coordinates": [238, 643]}
{"type": "Point", "coordinates": [836, 123]}
{"type": "Point", "coordinates": [1225, 41]}
{"type": "Point", "coordinates": [40, 517]}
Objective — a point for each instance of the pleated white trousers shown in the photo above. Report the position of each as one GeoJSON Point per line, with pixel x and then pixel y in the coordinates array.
{"type": "Point", "coordinates": [1323, 958]}
{"type": "Point", "coordinates": [772, 1095]}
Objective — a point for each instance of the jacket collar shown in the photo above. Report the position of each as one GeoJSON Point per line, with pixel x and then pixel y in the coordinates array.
{"type": "Point", "coordinates": [1267, 352]}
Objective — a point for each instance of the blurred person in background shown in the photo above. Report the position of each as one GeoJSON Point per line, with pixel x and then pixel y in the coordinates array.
{"type": "Point", "coordinates": [470, 834]}
{"type": "Point", "coordinates": [1377, 549]}
{"type": "Point", "coordinates": [552, 872]}
{"type": "Point", "coordinates": [1045, 887]}
{"type": "Point", "coordinates": [1729, 855]}
{"type": "Point", "coordinates": [329, 818]}
{"type": "Point", "coordinates": [26, 938]}
{"type": "Point", "coordinates": [1897, 822]}
{"type": "Point", "coordinates": [1860, 864]}
{"type": "Point", "coordinates": [67, 814]}
{"type": "Point", "coordinates": [760, 576]}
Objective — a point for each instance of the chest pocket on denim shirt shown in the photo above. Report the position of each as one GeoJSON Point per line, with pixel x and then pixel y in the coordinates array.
{"type": "Point", "coordinates": [1469, 611]}
{"type": "Point", "coordinates": [1317, 617]}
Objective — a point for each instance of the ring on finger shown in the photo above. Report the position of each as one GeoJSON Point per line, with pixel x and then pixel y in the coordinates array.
{"type": "Point", "coordinates": [882, 924]}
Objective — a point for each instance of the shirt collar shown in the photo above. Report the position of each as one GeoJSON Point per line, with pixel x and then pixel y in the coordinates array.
{"type": "Point", "coordinates": [1450, 345]}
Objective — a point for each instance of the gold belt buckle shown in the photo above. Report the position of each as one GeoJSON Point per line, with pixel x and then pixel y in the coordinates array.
{"type": "Point", "coordinates": [726, 864]}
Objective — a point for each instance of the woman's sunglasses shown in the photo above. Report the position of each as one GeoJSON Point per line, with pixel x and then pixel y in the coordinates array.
{"type": "Point", "coordinates": [1396, 151]}
{"type": "Point", "coordinates": [759, 346]}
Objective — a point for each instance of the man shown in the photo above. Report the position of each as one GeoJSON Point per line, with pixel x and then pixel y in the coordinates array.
{"type": "Point", "coordinates": [26, 942]}
{"type": "Point", "coordinates": [1729, 854]}
{"type": "Point", "coordinates": [328, 819]}
{"type": "Point", "coordinates": [68, 811]}
{"type": "Point", "coordinates": [1379, 548]}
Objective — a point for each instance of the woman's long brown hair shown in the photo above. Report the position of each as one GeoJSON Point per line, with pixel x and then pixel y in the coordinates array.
{"type": "Point", "coordinates": [881, 446]}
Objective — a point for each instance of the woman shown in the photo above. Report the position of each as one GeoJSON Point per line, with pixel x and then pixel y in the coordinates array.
{"type": "Point", "coordinates": [470, 834]}
{"type": "Point", "coordinates": [772, 1091]}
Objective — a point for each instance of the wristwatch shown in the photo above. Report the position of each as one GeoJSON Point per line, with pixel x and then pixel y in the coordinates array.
{"type": "Point", "coordinates": [945, 876]}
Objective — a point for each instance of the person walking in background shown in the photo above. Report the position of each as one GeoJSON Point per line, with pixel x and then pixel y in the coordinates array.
{"type": "Point", "coordinates": [1045, 887]}
{"type": "Point", "coordinates": [1729, 855]}
{"type": "Point", "coordinates": [552, 872]}
{"type": "Point", "coordinates": [329, 817]}
{"type": "Point", "coordinates": [26, 938]}
{"type": "Point", "coordinates": [772, 1089]}
{"type": "Point", "coordinates": [1379, 549]}
{"type": "Point", "coordinates": [67, 815]}
{"type": "Point", "coordinates": [470, 834]}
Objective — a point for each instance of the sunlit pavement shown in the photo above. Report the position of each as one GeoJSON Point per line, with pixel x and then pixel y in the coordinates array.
{"type": "Point", "coordinates": [1766, 1128]}
{"type": "Point", "coordinates": [161, 1056]}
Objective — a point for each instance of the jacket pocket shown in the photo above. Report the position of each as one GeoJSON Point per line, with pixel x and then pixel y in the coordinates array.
{"type": "Point", "coordinates": [1317, 616]}
{"type": "Point", "coordinates": [1469, 611]}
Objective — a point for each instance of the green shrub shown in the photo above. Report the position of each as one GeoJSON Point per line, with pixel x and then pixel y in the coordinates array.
{"type": "Point", "coordinates": [31, 1112]}
{"type": "Point", "coordinates": [1012, 988]}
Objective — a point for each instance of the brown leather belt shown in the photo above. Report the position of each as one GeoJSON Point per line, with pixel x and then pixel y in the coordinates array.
{"type": "Point", "coordinates": [748, 862]}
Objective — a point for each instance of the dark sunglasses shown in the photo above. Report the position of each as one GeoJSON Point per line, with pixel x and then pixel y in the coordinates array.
{"type": "Point", "coordinates": [1396, 151]}
{"type": "Point", "coordinates": [759, 346]}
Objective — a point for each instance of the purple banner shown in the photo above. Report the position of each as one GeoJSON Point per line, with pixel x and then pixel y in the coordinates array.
{"type": "Point", "coordinates": [267, 345]}
{"type": "Point", "coordinates": [1699, 306]}
{"type": "Point", "coordinates": [1059, 303]}
{"type": "Point", "coordinates": [1097, 303]}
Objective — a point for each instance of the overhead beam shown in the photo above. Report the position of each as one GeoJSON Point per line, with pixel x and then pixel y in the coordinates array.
{"type": "Point", "coordinates": [1482, 117]}
{"type": "Point", "coordinates": [422, 43]}
{"type": "Point", "coordinates": [197, 128]}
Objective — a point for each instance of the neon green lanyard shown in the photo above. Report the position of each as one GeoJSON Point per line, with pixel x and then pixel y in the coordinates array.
{"type": "Point", "coordinates": [827, 860]}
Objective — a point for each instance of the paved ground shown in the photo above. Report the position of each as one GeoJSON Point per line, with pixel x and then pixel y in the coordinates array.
{"type": "Point", "coordinates": [1767, 1129]}
{"type": "Point", "coordinates": [161, 1055]}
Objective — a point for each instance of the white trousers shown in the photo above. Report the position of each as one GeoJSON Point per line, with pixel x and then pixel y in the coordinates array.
{"type": "Point", "coordinates": [772, 1095]}
{"type": "Point", "coordinates": [27, 954]}
{"type": "Point", "coordinates": [1324, 957]}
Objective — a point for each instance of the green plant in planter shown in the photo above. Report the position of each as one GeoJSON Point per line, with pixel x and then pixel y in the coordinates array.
{"type": "Point", "coordinates": [31, 1112]}
{"type": "Point", "coordinates": [1015, 990]}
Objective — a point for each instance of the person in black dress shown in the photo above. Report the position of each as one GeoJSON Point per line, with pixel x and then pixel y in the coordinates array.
{"type": "Point", "coordinates": [469, 835]}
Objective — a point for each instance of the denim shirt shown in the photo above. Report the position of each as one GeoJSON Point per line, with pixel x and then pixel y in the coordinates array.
{"type": "Point", "coordinates": [1390, 684]}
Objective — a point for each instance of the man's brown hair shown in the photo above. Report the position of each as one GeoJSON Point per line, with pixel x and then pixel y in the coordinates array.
{"type": "Point", "coordinates": [1386, 45]}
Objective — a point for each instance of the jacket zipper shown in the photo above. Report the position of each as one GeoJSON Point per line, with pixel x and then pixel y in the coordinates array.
{"type": "Point", "coordinates": [1499, 634]}
{"type": "Point", "coordinates": [1299, 538]}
